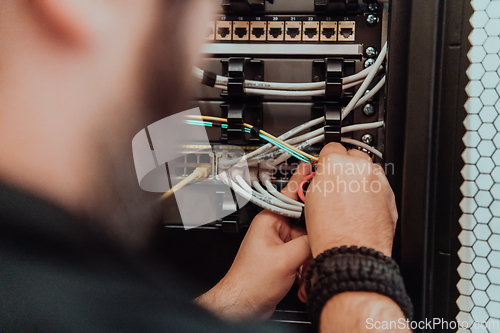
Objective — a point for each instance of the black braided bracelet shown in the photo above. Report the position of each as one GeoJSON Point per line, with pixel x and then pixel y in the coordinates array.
{"type": "Point", "coordinates": [353, 269]}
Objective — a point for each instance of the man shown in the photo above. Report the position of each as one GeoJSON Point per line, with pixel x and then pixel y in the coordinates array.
{"type": "Point", "coordinates": [77, 80]}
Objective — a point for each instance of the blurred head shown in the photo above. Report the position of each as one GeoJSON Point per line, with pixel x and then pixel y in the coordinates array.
{"type": "Point", "coordinates": [78, 79]}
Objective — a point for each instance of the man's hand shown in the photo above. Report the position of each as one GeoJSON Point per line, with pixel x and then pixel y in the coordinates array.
{"type": "Point", "coordinates": [349, 202]}
{"type": "Point", "coordinates": [265, 267]}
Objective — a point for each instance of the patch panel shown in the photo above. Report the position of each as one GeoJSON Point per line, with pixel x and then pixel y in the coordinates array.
{"type": "Point", "coordinates": [310, 32]}
{"type": "Point", "coordinates": [224, 30]}
{"type": "Point", "coordinates": [328, 31]}
{"type": "Point", "coordinates": [275, 31]}
{"type": "Point", "coordinates": [346, 31]}
{"type": "Point", "coordinates": [293, 31]}
{"type": "Point", "coordinates": [241, 30]}
{"type": "Point", "coordinates": [289, 31]}
{"type": "Point", "coordinates": [258, 30]}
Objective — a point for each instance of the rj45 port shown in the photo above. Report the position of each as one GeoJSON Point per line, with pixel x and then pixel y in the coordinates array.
{"type": "Point", "coordinates": [240, 30]}
{"type": "Point", "coordinates": [328, 31]}
{"type": "Point", "coordinates": [346, 31]}
{"type": "Point", "coordinates": [275, 31]}
{"type": "Point", "coordinates": [310, 31]}
{"type": "Point", "coordinates": [293, 31]}
{"type": "Point", "coordinates": [223, 30]}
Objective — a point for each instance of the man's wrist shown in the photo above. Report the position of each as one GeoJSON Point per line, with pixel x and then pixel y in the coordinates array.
{"type": "Point", "coordinates": [226, 302]}
{"type": "Point", "coordinates": [353, 269]}
{"type": "Point", "coordinates": [358, 311]}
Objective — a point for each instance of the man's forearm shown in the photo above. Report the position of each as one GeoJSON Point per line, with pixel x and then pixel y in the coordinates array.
{"type": "Point", "coordinates": [353, 312]}
{"type": "Point", "coordinates": [225, 301]}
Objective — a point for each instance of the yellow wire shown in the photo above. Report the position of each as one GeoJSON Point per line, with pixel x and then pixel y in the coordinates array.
{"type": "Point", "coordinates": [223, 120]}
{"type": "Point", "coordinates": [197, 173]}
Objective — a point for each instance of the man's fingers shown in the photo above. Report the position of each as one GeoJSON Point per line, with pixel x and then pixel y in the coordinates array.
{"type": "Point", "coordinates": [296, 252]}
{"type": "Point", "coordinates": [292, 187]}
{"type": "Point", "coordinates": [360, 154]}
{"type": "Point", "coordinates": [332, 148]}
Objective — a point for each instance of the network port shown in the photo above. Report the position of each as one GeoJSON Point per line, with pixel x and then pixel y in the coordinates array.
{"type": "Point", "coordinates": [311, 31]}
{"type": "Point", "coordinates": [223, 30]}
{"type": "Point", "coordinates": [211, 30]}
{"type": "Point", "coordinates": [275, 30]}
{"type": "Point", "coordinates": [293, 31]}
{"type": "Point", "coordinates": [258, 30]}
{"type": "Point", "coordinates": [328, 31]}
{"type": "Point", "coordinates": [240, 30]}
{"type": "Point", "coordinates": [183, 166]}
{"type": "Point", "coordinates": [347, 31]}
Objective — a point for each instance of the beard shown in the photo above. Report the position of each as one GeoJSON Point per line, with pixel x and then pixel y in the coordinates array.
{"type": "Point", "coordinates": [123, 210]}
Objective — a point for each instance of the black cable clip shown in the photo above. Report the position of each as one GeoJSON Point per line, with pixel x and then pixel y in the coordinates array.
{"type": "Point", "coordinates": [235, 130]}
{"type": "Point", "coordinates": [244, 5]}
{"type": "Point", "coordinates": [333, 122]}
{"type": "Point", "coordinates": [336, 5]}
{"type": "Point", "coordinates": [334, 72]}
{"type": "Point", "coordinates": [236, 80]}
{"type": "Point", "coordinates": [237, 70]}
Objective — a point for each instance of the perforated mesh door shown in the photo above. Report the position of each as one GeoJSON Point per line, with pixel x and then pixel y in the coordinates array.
{"type": "Point", "coordinates": [479, 270]}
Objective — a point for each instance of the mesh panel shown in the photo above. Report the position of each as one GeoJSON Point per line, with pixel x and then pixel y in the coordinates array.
{"type": "Point", "coordinates": [479, 270]}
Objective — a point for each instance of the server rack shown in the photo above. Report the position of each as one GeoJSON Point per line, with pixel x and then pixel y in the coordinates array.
{"type": "Point", "coordinates": [423, 108]}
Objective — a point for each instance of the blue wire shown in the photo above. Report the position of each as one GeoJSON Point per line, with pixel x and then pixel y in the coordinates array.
{"type": "Point", "coordinates": [247, 130]}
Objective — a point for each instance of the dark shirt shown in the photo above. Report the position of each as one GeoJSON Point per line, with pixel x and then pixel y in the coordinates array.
{"type": "Point", "coordinates": [59, 275]}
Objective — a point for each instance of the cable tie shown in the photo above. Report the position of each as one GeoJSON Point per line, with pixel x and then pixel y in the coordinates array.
{"type": "Point", "coordinates": [209, 79]}
{"type": "Point", "coordinates": [255, 131]}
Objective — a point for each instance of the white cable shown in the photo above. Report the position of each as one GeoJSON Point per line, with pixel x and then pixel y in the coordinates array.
{"type": "Point", "coordinates": [259, 188]}
{"type": "Point", "coordinates": [279, 195]}
{"type": "Point", "coordinates": [310, 142]}
{"type": "Point", "coordinates": [244, 185]}
{"type": "Point", "coordinates": [224, 178]}
{"type": "Point", "coordinates": [285, 136]}
{"type": "Point", "coordinates": [361, 90]}
{"type": "Point", "coordinates": [320, 131]}
{"type": "Point", "coordinates": [285, 93]}
{"type": "Point", "coordinates": [352, 84]}
{"type": "Point", "coordinates": [360, 75]}
{"type": "Point", "coordinates": [360, 127]}
{"type": "Point", "coordinates": [285, 86]}
{"type": "Point", "coordinates": [319, 137]}
{"type": "Point", "coordinates": [222, 81]}
{"type": "Point", "coordinates": [356, 99]}
{"type": "Point", "coordinates": [372, 92]}
{"type": "Point", "coordinates": [266, 198]}
{"type": "Point", "coordinates": [306, 136]}
{"type": "Point", "coordinates": [362, 145]}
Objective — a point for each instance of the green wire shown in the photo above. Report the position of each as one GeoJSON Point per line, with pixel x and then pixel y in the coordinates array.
{"type": "Point", "coordinates": [247, 130]}
{"type": "Point", "coordinates": [286, 149]}
{"type": "Point", "coordinates": [199, 122]}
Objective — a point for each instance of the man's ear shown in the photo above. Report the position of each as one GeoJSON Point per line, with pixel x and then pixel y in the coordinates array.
{"type": "Point", "coordinates": [74, 21]}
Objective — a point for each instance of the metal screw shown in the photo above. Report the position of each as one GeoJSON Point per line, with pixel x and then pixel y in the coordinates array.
{"type": "Point", "coordinates": [367, 138]}
{"type": "Point", "coordinates": [373, 6]}
{"type": "Point", "coordinates": [369, 110]}
{"type": "Point", "coordinates": [369, 62]}
{"type": "Point", "coordinates": [370, 51]}
{"type": "Point", "coordinates": [316, 78]}
{"type": "Point", "coordinates": [371, 19]}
